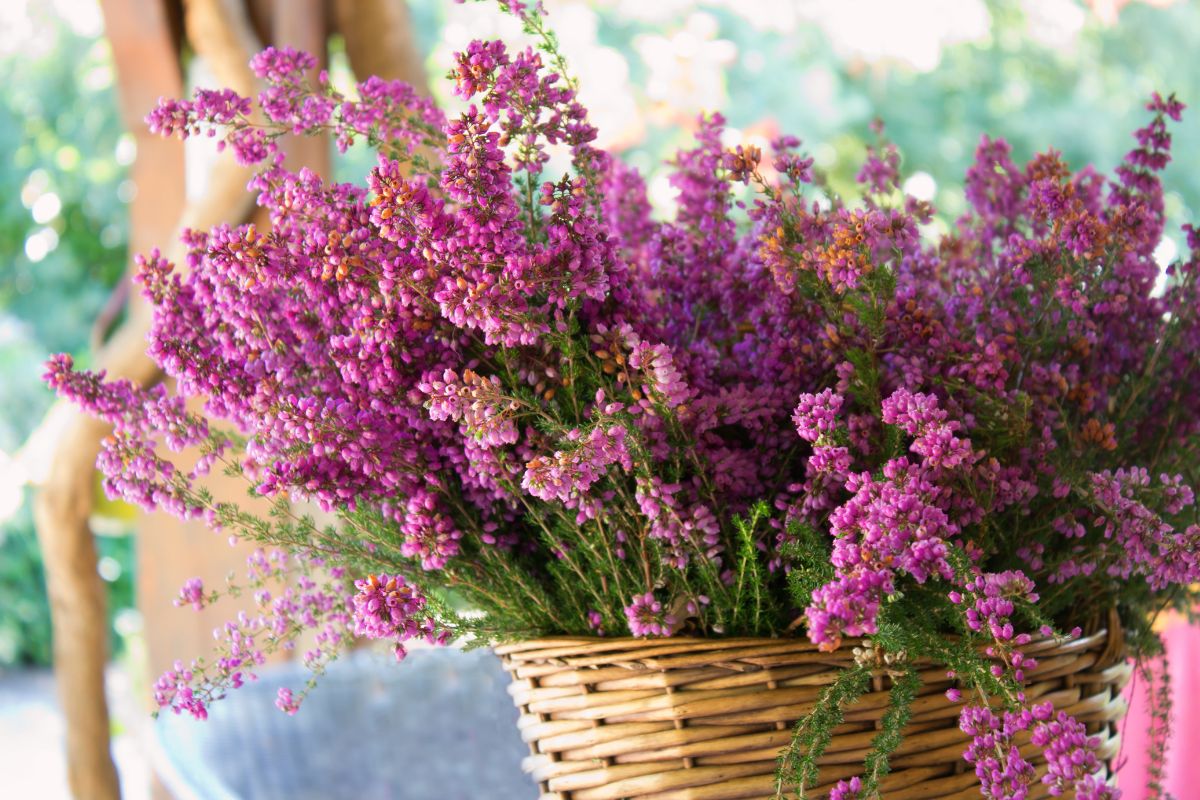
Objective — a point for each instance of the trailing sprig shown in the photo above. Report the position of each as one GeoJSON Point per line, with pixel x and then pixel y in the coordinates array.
{"type": "Point", "coordinates": [891, 733]}
{"type": "Point", "coordinates": [798, 768]}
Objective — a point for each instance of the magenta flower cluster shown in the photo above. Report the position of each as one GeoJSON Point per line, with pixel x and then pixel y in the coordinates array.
{"type": "Point", "coordinates": [1006, 774]}
{"type": "Point", "coordinates": [896, 523]}
{"type": "Point", "coordinates": [847, 789]}
{"type": "Point", "coordinates": [387, 607]}
{"type": "Point", "coordinates": [566, 475]}
{"type": "Point", "coordinates": [648, 617]}
{"type": "Point", "coordinates": [192, 594]}
{"type": "Point", "coordinates": [535, 395]}
{"type": "Point", "coordinates": [290, 597]}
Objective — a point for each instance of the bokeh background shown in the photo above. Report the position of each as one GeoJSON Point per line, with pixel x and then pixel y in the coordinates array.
{"type": "Point", "coordinates": [1067, 74]}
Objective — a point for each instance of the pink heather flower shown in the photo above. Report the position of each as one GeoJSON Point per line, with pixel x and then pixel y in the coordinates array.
{"type": "Point", "coordinates": [388, 607]}
{"type": "Point", "coordinates": [683, 528]}
{"type": "Point", "coordinates": [887, 526]}
{"type": "Point", "coordinates": [829, 459]}
{"type": "Point", "coordinates": [173, 690]}
{"type": "Point", "coordinates": [210, 107]}
{"type": "Point", "coordinates": [345, 346]}
{"type": "Point", "coordinates": [880, 172]}
{"type": "Point", "coordinates": [795, 166]}
{"type": "Point", "coordinates": [244, 642]}
{"type": "Point", "coordinates": [388, 110]}
{"type": "Point", "coordinates": [994, 598]}
{"type": "Point", "coordinates": [141, 419]}
{"type": "Point", "coordinates": [918, 415]}
{"type": "Point", "coordinates": [1004, 774]}
{"type": "Point", "coordinates": [657, 363]}
{"type": "Point", "coordinates": [427, 531]}
{"type": "Point", "coordinates": [220, 106]}
{"type": "Point", "coordinates": [817, 414]}
{"type": "Point", "coordinates": [250, 146]}
{"type": "Point", "coordinates": [568, 474]}
{"type": "Point", "coordinates": [286, 702]}
{"type": "Point", "coordinates": [1177, 495]}
{"type": "Point", "coordinates": [648, 617]}
{"type": "Point", "coordinates": [847, 789]}
{"type": "Point", "coordinates": [278, 65]}
{"type": "Point", "coordinates": [1070, 755]}
{"type": "Point", "coordinates": [476, 402]}
{"type": "Point", "coordinates": [192, 593]}
{"type": "Point", "coordinates": [385, 605]}
{"type": "Point", "coordinates": [1142, 542]}
{"type": "Point", "coordinates": [694, 606]}
{"type": "Point", "coordinates": [475, 67]}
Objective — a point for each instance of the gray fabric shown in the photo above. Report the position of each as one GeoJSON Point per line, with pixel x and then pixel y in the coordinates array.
{"type": "Point", "coordinates": [439, 726]}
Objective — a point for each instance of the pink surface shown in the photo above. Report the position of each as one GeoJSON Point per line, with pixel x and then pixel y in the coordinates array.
{"type": "Point", "coordinates": [1182, 775]}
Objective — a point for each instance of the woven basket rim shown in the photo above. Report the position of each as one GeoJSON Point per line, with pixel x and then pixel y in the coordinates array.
{"type": "Point", "coordinates": [523, 649]}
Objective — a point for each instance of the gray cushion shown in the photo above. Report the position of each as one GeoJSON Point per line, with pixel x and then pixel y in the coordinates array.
{"type": "Point", "coordinates": [438, 726]}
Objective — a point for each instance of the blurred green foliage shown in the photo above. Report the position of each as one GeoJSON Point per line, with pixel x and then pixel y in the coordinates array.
{"type": "Point", "coordinates": [24, 613]}
{"type": "Point", "coordinates": [24, 616]}
{"type": "Point", "coordinates": [63, 232]}
{"type": "Point", "coordinates": [1083, 99]}
{"type": "Point", "coordinates": [58, 120]}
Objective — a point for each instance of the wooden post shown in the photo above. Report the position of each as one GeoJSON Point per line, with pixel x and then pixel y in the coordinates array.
{"type": "Point", "coordinates": [140, 35]}
{"type": "Point", "coordinates": [380, 40]}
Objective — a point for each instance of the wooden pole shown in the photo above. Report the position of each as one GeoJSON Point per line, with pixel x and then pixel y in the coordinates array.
{"type": "Point", "coordinates": [140, 35]}
{"type": "Point", "coordinates": [380, 40]}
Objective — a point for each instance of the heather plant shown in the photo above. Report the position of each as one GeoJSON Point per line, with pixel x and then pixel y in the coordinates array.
{"type": "Point", "coordinates": [537, 409]}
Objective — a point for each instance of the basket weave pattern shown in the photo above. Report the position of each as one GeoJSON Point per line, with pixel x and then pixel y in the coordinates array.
{"type": "Point", "coordinates": [705, 719]}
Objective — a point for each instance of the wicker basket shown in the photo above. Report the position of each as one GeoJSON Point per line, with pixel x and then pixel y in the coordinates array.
{"type": "Point", "coordinates": [705, 719]}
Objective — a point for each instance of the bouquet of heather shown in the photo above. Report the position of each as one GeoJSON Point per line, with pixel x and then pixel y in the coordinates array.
{"type": "Point", "coordinates": [766, 429]}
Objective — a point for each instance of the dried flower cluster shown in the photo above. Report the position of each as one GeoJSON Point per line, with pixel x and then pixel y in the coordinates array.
{"type": "Point", "coordinates": [533, 396]}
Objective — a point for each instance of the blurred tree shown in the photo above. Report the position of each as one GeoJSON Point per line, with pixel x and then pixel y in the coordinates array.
{"type": "Point", "coordinates": [63, 231]}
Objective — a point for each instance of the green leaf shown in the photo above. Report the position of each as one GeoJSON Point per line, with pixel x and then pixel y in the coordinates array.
{"type": "Point", "coordinates": [899, 711]}
{"type": "Point", "coordinates": [798, 762]}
